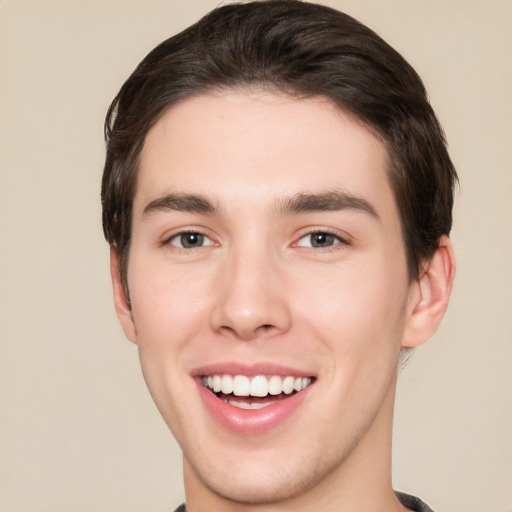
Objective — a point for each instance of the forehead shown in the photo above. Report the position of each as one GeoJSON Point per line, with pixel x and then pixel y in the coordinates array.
{"type": "Point", "coordinates": [257, 146]}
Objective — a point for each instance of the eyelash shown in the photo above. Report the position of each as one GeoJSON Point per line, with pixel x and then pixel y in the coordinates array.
{"type": "Point", "coordinates": [168, 241]}
{"type": "Point", "coordinates": [341, 242]}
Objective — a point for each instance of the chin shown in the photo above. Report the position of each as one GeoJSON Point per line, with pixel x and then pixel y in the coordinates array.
{"type": "Point", "coordinates": [250, 479]}
{"type": "Point", "coordinates": [263, 487]}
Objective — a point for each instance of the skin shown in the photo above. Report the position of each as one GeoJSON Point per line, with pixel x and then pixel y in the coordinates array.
{"type": "Point", "coordinates": [257, 291]}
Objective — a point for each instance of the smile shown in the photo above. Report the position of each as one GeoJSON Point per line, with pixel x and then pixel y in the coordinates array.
{"type": "Point", "coordinates": [259, 386]}
{"type": "Point", "coordinates": [252, 404]}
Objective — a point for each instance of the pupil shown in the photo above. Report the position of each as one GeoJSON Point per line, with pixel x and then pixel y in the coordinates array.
{"type": "Point", "coordinates": [322, 239]}
{"type": "Point", "coordinates": [189, 240]}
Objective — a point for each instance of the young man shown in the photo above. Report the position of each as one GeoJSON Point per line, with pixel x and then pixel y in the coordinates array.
{"type": "Point", "coordinates": [277, 196]}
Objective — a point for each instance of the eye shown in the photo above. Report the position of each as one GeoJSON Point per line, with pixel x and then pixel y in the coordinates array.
{"type": "Point", "coordinates": [189, 240]}
{"type": "Point", "coordinates": [320, 240]}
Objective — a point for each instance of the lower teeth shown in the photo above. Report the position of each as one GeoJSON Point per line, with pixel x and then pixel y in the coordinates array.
{"type": "Point", "coordinates": [251, 402]}
{"type": "Point", "coordinates": [245, 405]}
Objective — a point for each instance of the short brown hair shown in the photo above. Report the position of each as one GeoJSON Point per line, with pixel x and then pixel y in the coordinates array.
{"type": "Point", "coordinates": [303, 50]}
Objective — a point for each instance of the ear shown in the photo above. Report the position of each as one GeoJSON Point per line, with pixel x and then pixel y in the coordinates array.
{"type": "Point", "coordinates": [123, 307]}
{"type": "Point", "coordinates": [429, 296]}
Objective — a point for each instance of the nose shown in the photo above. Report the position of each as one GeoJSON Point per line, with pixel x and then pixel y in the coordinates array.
{"type": "Point", "coordinates": [250, 297]}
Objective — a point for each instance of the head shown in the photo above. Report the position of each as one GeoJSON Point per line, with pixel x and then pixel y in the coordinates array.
{"type": "Point", "coordinates": [277, 195]}
{"type": "Point", "coordinates": [301, 50]}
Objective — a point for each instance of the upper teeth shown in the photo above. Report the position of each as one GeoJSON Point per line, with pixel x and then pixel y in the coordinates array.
{"type": "Point", "coordinates": [260, 385]}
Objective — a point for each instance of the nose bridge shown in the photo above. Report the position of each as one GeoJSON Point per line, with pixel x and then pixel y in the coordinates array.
{"type": "Point", "coordinates": [250, 301]}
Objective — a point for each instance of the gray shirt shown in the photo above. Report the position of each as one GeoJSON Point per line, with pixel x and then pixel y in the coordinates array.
{"type": "Point", "coordinates": [411, 502]}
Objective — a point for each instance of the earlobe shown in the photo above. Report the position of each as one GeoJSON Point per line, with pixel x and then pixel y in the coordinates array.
{"type": "Point", "coordinates": [122, 304]}
{"type": "Point", "coordinates": [429, 296]}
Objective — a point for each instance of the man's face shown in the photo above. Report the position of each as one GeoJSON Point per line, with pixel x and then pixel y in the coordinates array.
{"type": "Point", "coordinates": [266, 243]}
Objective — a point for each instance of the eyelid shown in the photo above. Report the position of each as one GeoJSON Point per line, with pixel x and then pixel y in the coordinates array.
{"type": "Point", "coordinates": [343, 239]}
{"type": "Point", "coordinates": [183, 231]}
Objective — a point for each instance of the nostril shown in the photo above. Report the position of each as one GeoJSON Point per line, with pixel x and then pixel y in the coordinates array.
{"type": "Point", "coordinates": [265, 328]}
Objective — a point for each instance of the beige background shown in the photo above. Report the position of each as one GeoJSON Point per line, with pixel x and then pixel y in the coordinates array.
{"type": "Point", "coordinates": [78, 431]}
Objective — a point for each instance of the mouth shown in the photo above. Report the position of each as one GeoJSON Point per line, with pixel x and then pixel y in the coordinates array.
{"type": "Point", "coordinates": [254, 399]}
{"type": "Point", "coordinates": [254, 392]}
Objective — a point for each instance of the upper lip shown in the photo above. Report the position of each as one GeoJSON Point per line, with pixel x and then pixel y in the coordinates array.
{"type": "Point", "coordinates": [250, 370]}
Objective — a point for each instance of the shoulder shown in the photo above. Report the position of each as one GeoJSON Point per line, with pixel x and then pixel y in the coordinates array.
{"type": "Point", "coordinates": [412, 503]}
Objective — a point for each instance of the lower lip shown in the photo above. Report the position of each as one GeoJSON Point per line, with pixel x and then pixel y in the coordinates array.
{"type": "Point", "coordinates": [251, 421]}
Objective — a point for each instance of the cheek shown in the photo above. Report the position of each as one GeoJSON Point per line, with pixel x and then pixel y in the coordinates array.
{"type": "Point", "coordinates": [169, 311]}
{"type": "Point", "coordinates": [168, 307]}
{"type": "Point", "coordinates": [357, 309]}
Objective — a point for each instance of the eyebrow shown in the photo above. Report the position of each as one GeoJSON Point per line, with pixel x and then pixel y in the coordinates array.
{"type": "Point", "coordinates": [181, 203]}
{"type": "Point", "coordinates": [299, 203]}
{"type": "Point", "coordinates": [326, 201]}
